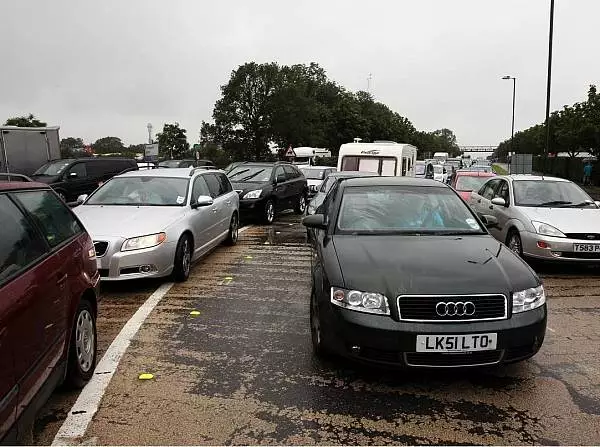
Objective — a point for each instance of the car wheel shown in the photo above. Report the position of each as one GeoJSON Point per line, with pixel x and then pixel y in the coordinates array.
{"type": "Point", "coordinates": [83, 346]}
{"type": "Point", "coordinates": [183, 259]}
{"type": "Point", "coordinates": [269, 212]}
{"type": "Point", "coordinates": [513, 242]}
{"type": "Point", "coordinates": [316, 332]}
{"type": "Point", "coordinates": [301, 205]}
{"type": "Point", "coordinates": [232, 236]}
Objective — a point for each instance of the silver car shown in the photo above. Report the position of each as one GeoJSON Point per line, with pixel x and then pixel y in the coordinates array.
{"type": "Point", "coordinates": [542, 217]}
{"type": "Point", "coordinates": [155, 223]}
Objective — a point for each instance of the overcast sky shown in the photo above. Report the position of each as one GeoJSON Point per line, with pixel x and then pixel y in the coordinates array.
{"type": "Point", "coordinates": [109, 67]}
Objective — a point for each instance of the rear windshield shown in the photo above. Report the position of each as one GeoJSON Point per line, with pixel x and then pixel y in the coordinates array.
{"type": "Point", "coordinates": [470, 182]}
{"type": "Point", "coordinates": [313, 174]}
{"type": "Point", "coordinates": [405, 209]}
{"type": "Point", "coordinates": [419, 169]}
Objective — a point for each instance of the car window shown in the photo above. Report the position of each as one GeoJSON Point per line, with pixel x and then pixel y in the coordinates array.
{"type": "Point", "coordinates": [200, 188]}
{"type": "Point", "coordinates": [20, 244]}
{"type": "Point", "coordinates": [291, 173]}
{"type": "Point", "coordinates": [487, 190]}
{"type": "Point", "coordinates": [279, 170]}
{"type": "Point", "coordinates": [79, 169]}
{"type": "Point", "coordinates": [214, 185]}
{"type": "Point", "coordinates": [53, 217]}
{"type": "Point", "coordinates": [503, 191]}
{"type": "Point", "coordinates": [225, 184]}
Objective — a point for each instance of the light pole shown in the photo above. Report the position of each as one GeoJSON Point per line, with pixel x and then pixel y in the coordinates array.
{"type": "Point", "coordinates": [149, 126]}
{"type": "Point", "coordinates": [512, 131]}
{"type": "Point", "coordinates": [550, 36]}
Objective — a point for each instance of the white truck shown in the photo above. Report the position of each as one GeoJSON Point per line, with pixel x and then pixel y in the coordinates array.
{"type": "Point", "coordinates": [386, 158]}
{"type": "Point", "coordinates": [24, 149]}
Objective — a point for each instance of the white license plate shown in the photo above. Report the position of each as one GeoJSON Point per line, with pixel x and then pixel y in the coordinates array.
{"type": "Point", "coordinates": [588, 248]}
{"type": "Point", "coordinates": [457, 343]}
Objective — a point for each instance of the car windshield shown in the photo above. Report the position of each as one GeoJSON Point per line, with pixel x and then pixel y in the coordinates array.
{"type": "Point", "coordinates": [470, 182]}
{"type": "Point", "coordinates": [169, 164]}
{"type": "Point", "coordinates": [405, 210]}
{"type": "Point", "coordinates": [245, 173]}
{"type": "Point", "coordinates": [313, 174]}
{"type": "Point", "coordinates": [142, 191]}
{"type": "Point", "coordinates": [549, 193]}
{"type": "Point", "coordinates": [53, 168]}
{"type": "Point", "coordinates": [419, 169]}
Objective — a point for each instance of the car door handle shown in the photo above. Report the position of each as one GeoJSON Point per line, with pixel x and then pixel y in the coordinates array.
{"type": "Point", "coordinates": [214, 210]}
{"type": "Point", "coordinates": [228, 202]}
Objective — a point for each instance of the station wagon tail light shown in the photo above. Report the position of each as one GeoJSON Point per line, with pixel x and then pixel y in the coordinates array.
{"type": "Point", "coordinates": [140, 242]}
{"type": "Point", "coordinates": [368, 302]}
{"type": "Point", "coordinates": [528, 299]}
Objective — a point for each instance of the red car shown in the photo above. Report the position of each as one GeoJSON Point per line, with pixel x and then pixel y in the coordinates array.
{"type": "Point", "coordinates": [48, 302]}
{"type": "Point", "coordinates": [465, 182]}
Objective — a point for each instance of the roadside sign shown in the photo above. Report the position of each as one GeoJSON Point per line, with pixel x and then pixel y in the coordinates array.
{"type": "Point", "coordinates": [290, 152]}
{"type": "Point", "coordinates": [151, 152]}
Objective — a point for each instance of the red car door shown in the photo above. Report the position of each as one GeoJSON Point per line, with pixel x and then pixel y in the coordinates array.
{"type": "Point", "coordinates": [22, 318]}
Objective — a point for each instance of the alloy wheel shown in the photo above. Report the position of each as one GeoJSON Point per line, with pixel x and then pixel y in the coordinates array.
{"type": "Point", "coordinates": [84, 340]}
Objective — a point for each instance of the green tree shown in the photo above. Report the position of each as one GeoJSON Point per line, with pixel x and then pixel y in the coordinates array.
{"type": "Point", "coordinates": [25, 121]}
{"type": "Point", "coordinates": [173, 141]}
{"type": "Point", "coordinates": [108, 145]}
{"type": "Point", "coordinates": [68, 146]}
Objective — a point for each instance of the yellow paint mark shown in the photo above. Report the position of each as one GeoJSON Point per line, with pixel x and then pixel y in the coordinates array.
{"type": "Point", "coordinates": [228, 278]}
{"type": "Point", "coordinates": [146, 376]}
{"type": "Point", "coordinates": [248, 257]}
{"type": "Point", "coordinates": [194, 313]}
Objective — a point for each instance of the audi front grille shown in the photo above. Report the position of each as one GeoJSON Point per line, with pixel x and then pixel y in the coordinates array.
{"type": "Point", "coordinates": [452, 308]}
{"type": "Point", "coordinates": [100, 247]}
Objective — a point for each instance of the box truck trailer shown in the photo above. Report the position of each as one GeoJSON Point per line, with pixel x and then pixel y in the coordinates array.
{"type": "Point", "coordinates": [25, 149]}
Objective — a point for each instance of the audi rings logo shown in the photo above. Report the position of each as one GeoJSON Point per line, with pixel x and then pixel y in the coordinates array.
{"type": "Point", "coordinates": [451, 309]}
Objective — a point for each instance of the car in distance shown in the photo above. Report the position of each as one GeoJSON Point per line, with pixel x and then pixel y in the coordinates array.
{"type": "Point", "coordinates": [318, 199]}
{"type": "Point", "coordinates": [545, 218]}
{"type": "Point", "coordinates": [48, 305]}
{"type": "Point", "coordinates": [156, 223]}
{"type": "Point", "coordinates": [440, 174]}
{"type": "Point", "coordinates": [405, 273]}
{"type": "Point", "coordinates": [315, 175]}
{"type": "Point", "coordinates": [466, 181]}
{"type": "Point", "coordinates": [71, 178]}
{"type": "Point", "coordinates": [266, 188]}
{"type": "Point", "coordinates": [187, 163]}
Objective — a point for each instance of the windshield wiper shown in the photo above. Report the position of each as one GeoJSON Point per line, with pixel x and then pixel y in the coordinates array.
{"type": "Point", "coordinates": [238, 173]}
{"type": "Point", "coordinates": [555, 202]}
{"type": "Point", "coordinates": [578, 205]}
{"type": "Point", "coordinates": [250, 176]}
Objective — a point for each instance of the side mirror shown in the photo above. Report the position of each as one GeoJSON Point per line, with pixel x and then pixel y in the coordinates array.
{"type": "Point", "coordinates": [82, 198]}
{"type": "Point", "coordinates": [316, 221]}
{"type": "Point", "coordinates": [489, 221]}
{"type": "Point", "coordinates": [499, 201]}
{"type": "Point", "coordinates": [202, 201]}
{"type": "Point", "coordinates": [280, 178]}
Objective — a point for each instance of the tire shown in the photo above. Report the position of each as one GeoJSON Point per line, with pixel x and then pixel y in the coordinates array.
{"type": "Point", "coordinates": [301, 204]}
{"type": "Point", "coordinates": [83, 346]}
{"type": "Point", "coordinates": [269, 212]}
{"type": "Point", "coordinates": [514, 243]}
{"type": "Point", "coordinates": [232, 236]}
{"type": "Point", "coordinates": [183, 259]}
{"type": "Point", "coordinates": [316, 333]}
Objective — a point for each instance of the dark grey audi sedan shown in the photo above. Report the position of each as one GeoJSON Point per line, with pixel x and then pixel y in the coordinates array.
{"type": "Point", "coordinates": [406, 274]}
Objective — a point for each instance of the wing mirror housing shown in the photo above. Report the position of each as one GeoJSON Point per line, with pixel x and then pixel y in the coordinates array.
{"type": "Point", "coordinates": [489, 221]}
{"type": "Point", "coordinates": [82, 198]}
{"type": "Point", "coordinates": [316, 221]}
{"type": "Point", "coordinates": [499, 201]}
{"type": "Point", "coordinates": [202, 201]}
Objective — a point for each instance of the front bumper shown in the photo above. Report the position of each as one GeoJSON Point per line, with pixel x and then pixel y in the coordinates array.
{"type": "Point", "coordinates": [383, 340]}
{"type": "Point", "coordinates": [558, 249]}
{"type": "Point", "coordinates": [254, 207]}
{"type": "Point", "coordinates": [155, 262]}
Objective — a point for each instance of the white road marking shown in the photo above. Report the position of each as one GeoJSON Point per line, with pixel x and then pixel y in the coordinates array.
{"type": "Point", "coordinates": [550, 329]}
{"type": "Point", "coordinates": [86, 406]}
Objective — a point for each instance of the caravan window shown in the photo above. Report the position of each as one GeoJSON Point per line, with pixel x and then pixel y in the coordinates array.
{"type": "Point", "coordinates": [380, 165]}
{"type": "Point", "coordinates": [388, 167]}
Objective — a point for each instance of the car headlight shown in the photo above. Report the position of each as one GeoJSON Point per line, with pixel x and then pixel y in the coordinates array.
{"type": "Point", "coordinates": [528, 299]}
{"type": "Point", "coordinates": [137, 243]}
{"type": "Point", "coordinates": [372, 303]}
{"type": "Point", "coordinates": [253, 194]}
{"type": "Point", "coordinates": [547, 230]}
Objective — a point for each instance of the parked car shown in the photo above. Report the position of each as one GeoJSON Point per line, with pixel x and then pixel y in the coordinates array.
{"type": "Point", "coordinates": [188, 163]}
{"type": "Point", "coordinates": [48, 303]}
{"type": "Point", "coordinates": [545, 218]}
{"type": "Point", "coordinates": [404, 273]}
{"type": "Point", "coordinates": [467, 181]}
{"type": "Point", "coordinates": [315, 176]}
{"type": "Point", "coordinates": [315, 203]}
{"type": "Point", "coordinates": [266, 188]}
{"type": "Point", "coordinates": [156, 223]}
{"type": "Point", "coordinates": [72, 177]}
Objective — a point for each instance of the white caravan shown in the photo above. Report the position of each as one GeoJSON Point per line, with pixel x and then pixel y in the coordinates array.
{"type": "Point", "coordinates": [385, 158]}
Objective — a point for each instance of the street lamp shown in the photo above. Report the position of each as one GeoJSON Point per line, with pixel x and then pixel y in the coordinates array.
{"type": "Point", "coordinates": [549, 83]}
{"type": "Point", "coordinates": [512, 132]}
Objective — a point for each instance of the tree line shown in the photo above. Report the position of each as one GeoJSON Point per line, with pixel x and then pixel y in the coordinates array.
{"type": "Point", "coordinates": [265, 104]}
{"type": "Point", "coordinates": [575, 129]}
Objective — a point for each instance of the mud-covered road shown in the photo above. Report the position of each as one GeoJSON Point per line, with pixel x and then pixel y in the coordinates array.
{"type": "Point", "coordinates": [242, 372]}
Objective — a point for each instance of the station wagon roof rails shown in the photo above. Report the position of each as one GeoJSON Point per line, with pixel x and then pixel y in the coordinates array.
{"type": "Point", "coordinates": [200, 168]}
{"type": "Point", "coordinates": [21, 177]}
